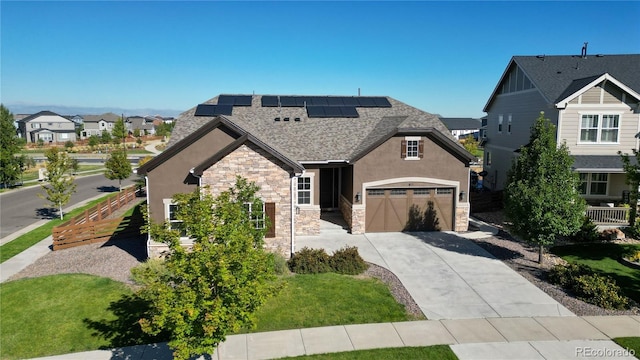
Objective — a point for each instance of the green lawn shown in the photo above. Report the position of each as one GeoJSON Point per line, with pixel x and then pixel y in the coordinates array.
{"type": "Point", "coordinates": [328, 299]}
{"type": "Point", "coordinates": [436, 352]}
{"type": "Point", "coordinates": [630, 343]}
{"type": "Point", "coordinates": [46, 316]}
{"type": "Point", "coordinates": [604, 259]}
{"type": "Point", "coordinates": [83, 312]}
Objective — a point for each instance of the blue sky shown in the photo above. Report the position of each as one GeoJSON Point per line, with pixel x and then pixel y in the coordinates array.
{"type": "Point", "coordinates": [442, 57]}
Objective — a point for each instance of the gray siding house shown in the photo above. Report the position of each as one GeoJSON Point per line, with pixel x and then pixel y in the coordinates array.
{"type": "Point", "coordinates": [96, 124]}
{"type": "Point", "coordinates": [594, 101]}
{"type": "Point", "coordinates": [48, 127]}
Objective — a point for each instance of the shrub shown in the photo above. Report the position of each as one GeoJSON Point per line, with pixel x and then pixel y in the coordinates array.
{"type": "Point", "coordinates": [588, 232]}
{"type": "Point", "coordinates": [588, 285]}
{"type": "Point", "coordinates": [599, 290]}
{"type": "Point", "coordinates": [279, 264]}
{"type": "Point", "coordinates": [149, 271]}
{"type": "Point", "coordinates": [563, 275]}
{"type": "Point", "coordinates": [309, 261]}
{"type": "Point", "coordinates": [348, 261]}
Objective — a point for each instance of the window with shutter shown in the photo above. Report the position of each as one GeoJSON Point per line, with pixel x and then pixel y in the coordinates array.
{"type": "Point", "coordinates": [412, 148]}
{"type": "Point", "coordinates": [270, 210]}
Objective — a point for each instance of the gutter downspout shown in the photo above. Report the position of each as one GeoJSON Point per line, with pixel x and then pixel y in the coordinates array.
{"type": "Point", "coordinates": [146, 184]}
{"type": "Point", "coordinates": [293, 212]}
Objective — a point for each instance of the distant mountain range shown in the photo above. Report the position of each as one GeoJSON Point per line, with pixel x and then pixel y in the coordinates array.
{"type": "Point", "coordinates": [18, 108]}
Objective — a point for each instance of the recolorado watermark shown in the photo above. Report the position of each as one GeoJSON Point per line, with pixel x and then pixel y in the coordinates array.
{"type": "Point", "coordinates": [589, 352]}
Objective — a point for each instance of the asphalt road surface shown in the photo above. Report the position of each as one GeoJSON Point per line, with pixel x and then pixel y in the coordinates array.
{"type": "Point", "coordinates": [22, 207]}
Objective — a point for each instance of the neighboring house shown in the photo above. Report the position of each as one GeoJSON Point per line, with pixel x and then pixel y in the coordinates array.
{"type": "Point", "coordinates": [96, 124]}
{"type": "Point", "coordinates": [382, 164]}
{"type": "Point", "coordinates": [460, 127]}
{"type": "Point", "coordinates": [48, 127]}
{"type": "Point", "coordinates": [594, 102]}
{"type": "Point", "coordinates": [143, 124]}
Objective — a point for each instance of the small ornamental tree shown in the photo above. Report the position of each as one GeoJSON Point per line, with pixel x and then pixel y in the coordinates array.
{"type": "Point", "coordinates": [119, 132]}
{"type": "Point", "coordinates": [59, 185]}
{"type": "Point", "coordinates": [10, 168]}
{"type": "Point", "coordinates": [215, 287]}
{"type": "Point", "coordinates": [632, 170]}
{"type": "Point", "coordinates": [117, 167]}
{"type": "Point", "coordinates": [541, 195]}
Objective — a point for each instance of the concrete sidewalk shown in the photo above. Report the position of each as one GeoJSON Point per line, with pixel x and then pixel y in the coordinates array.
{"type": "Point", "coordinates": [547, 338]}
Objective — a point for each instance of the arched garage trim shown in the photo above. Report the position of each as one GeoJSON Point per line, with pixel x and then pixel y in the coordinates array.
{"type": "Point", "coordinates": [438, 182]}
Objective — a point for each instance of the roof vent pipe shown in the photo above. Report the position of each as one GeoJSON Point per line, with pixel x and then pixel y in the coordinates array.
{"type": "Point", "coordinates": [358, 91]}
{"type": "Point", "coordinates": [584, 50]}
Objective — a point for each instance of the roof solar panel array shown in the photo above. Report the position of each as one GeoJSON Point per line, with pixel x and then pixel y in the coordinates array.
{"type": "Point", "coordinates": [213, 110]}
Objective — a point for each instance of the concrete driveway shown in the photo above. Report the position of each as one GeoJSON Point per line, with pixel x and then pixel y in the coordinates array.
{"type": "Point", "coordinates": [448, 276]}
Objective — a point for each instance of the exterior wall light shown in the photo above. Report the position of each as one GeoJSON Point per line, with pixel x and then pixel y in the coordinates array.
{"type": "Point", "coordinates": [358, 197]}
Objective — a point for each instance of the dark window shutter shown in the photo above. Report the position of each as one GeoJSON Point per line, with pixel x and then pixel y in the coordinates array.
{"type": "Point", "coordinates": [421, 149]}
{"type": "Point", "coordinates": [270, 210]}
{"type": "Point", "coordinates": [403, 151]}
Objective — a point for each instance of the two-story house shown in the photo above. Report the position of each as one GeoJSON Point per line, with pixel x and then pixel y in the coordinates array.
{"type": "Point", "coordinates": [48, 127]}
{"type": "Point", "coordinates": [594, 102]}
{"type": "Point", "coordinates": [96, 124]}
{"type": "Point", "coordinates": [143, 124]}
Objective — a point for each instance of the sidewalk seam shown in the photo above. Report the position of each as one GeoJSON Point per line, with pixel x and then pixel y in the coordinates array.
{"type": "Point", "coordinates": [449, 331]}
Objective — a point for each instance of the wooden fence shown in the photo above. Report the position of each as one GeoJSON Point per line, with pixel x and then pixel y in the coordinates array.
{"type": "Point", "coordinates": [95, 224]}
{"type": "Point", "coordinates": [485, 201]}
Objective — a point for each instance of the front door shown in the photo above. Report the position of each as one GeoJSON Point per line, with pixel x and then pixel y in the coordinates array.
{"type": "Point", "coordinates": [329, 188]}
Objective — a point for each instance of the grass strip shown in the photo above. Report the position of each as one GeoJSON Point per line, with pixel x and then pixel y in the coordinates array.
{"type": "Point", "coordinates": [631, 344]}
{"type": "Point", "coordinates": [435, 352]}
{"type": "Point", "coordinates": [25, 241]}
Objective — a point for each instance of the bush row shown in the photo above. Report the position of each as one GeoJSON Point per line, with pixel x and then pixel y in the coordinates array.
{"type": "Point", "coordinates": [313, 261]}
{"type": "Point", "coordinates": [589, 286]}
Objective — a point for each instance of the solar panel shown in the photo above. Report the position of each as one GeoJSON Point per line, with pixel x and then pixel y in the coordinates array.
{"type": "Point", "coordinates": [319, 101]}
{"type": "Point", "coordinates": [350, 101]}
{"type": "Point", "coordinates": [269, 101]}
{"type": "Point", "coordinates": [213, 110]}
{"type": "Point", "coordinates": [288, 101]}
{"type": "Point", "coordinates": [382, 102]}
{"type": "Point", "coordinates": [349, 111]}
{"type": "Point", "coordinates": [332, 112]}
{"type": "Point", "coordinates": [243, 100]}
{"type": "Point", "coordinates": [335, 101]}
{"type": "Point", "coordinates": [226, 100]}
{"type": "Point", "coordinates": [366, 102]}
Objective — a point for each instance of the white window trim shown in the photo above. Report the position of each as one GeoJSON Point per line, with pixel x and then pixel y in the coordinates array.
{"type": "Point", "coordinates": [500, 121]}
{"type": "Point", "coordinates": [311, 203]}
{"type": "Point", "coordinates": [166, 203]}
{"type": "Point", "coordinates": [487, 158]}
{"type": "Point", "coordinates": [256, 221]}
{"type": "Point", "coordinates": [600, 115]}
{"type": "Point", "coordinates": [509, 123]}
{"type": "Point", "coordinates": [413, 138]}
{"type": "Point", "coordinates": [588, 189]}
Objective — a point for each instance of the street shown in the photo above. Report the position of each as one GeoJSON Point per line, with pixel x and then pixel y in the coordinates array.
{"type": "Point", "coordinates": [22, 207]}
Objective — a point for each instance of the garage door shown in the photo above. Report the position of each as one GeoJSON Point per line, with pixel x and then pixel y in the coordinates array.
{"type": "Point", "coordinates": [409, 209]}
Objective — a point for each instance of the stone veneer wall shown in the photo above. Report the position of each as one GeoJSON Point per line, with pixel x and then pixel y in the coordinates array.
{"type": "Point", "coordinates": [308, 221]}
{"type": "Point", "coordinates": [462, 217]}
{"type": "Point", "coordinates": [355, 217]}
{"type": "Point", "coordinates": [256, 165]}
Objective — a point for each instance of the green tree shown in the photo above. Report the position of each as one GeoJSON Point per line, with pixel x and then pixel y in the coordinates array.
{"type": "Point", "coordinates": [164, 129]}
{"type": "Point", "coordinates": [119, 132]}
{"type": "Point", "coordinates": [541, 195]}
{"type": "Point", "coordinates": [105, 137]}
{"type": "Point", "coordinates": [471, 144]}
{"type": "Point", "coordinates": [215, 287]}
{"type": "Point", "coordinates": [117, 167]}
{"type": "Point", "coordinates": [632, 170]}
{"type": "Point", "coordinates": [59, 185]}
{"type": "Point", "coordinates": [94, 140]}
{"type": "Point", "coordinates": [10, 168]}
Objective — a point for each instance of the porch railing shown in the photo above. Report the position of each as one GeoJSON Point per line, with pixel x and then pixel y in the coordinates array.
{"type": "Point", "coordinates": [604, 215]}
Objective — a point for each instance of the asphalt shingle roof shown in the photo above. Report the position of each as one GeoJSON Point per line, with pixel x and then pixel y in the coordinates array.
{"type": "Point", "coordinates": [598, 162]}
{"type": "Point", "coordinates": [317, 139]}
{"type": "Point", "coordinates": [461, 123]}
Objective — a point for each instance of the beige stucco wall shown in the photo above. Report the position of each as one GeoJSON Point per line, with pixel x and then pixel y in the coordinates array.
{"type": "Point", "coordinates": [171, 177]}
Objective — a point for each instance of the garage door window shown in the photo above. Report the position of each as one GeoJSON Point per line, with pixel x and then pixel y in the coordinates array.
{"type": "Point", "coordinates": [399, 192]}
{"type": "Point", "coordinates": [375, 192]}
{"type": "Point", "coordinates": [422, 192]}
{"type": "Point", "coordinates": [444, 191]}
